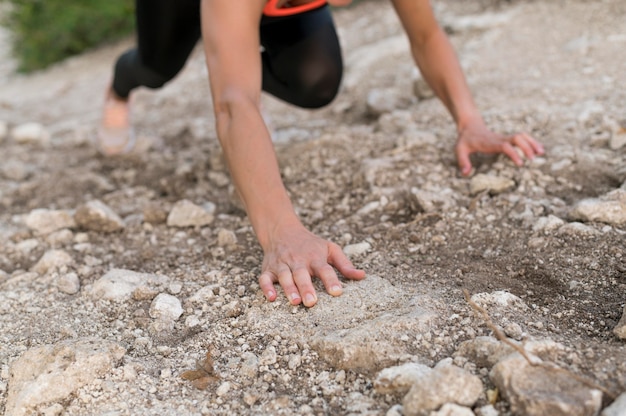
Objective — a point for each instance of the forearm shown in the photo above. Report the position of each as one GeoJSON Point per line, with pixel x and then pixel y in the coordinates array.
{"type": "Point", "coordinates": [252, 162]}
{"type": "Point", "coordinates": [440, 68]}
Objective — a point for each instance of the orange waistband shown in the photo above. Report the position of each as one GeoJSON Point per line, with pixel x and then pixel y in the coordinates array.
{"type": "Point", "coordinates": [270, 8]}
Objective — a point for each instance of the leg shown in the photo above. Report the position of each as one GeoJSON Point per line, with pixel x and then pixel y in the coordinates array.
{"type": "Point", "coordinates": [302, 59]}
{"type": "Point", "coordinates": [167, 31]}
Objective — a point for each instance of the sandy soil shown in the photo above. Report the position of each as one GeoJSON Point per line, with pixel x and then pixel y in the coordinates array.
{"type": "Point", "coordinates": [555, 69]}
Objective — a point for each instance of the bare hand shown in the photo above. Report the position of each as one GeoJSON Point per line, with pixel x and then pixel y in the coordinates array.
{"type": "Point", "coordinates": [477, 137]}
{"type": "Point", "coordinates": [294, 256]}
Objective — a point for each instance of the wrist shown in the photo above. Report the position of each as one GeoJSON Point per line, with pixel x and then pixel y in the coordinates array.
{"type": "Point", "coordinates": [470, 119]}
{"type": "Point", "coordinates": [268, 227]}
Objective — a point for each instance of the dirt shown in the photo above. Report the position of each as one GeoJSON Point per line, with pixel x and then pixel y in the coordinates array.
{"type": "Point", "coordinates": [540, 72]}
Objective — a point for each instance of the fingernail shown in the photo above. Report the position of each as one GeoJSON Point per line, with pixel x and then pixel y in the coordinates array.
{"type": "Point", "coordinates": [270, 295]}
{"type": "Point", "coordinates": [336, 289]}
{"type": "Point", "coordinates": [309, 299]}
{"type": "Point", "coordinates": [294, 297]}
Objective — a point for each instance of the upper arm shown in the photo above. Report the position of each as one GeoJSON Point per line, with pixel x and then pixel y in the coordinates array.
{"type": "Point", "coordinates": [418, 20]}
{"type": "Point", "coordinates": [230, 32]}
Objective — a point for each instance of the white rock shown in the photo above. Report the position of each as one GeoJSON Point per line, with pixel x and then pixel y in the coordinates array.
{"type": "Point", "coordinates": [166, 307]}
{"type": "Point", "coordinates": [52, 373]}
{"type": "Point", "coordinates": [538, 391]}
{"type": "Point", "coordinates": [31, 133]}
{"type": "Point", "coordinates": [118, 284]}
{"type": "Point", "coordinates": [45, 221]}
{"type": "Point", "coordinates": [609, 208]}
{"type": "Point", "coordinates": [223, 389]}
{"type": "Point", "coordinates": [187, 214]}
{"type": "Point", "coordinates": [357, 249]}
{"type": "Point", "coordinates": [249, 366]}
{"type": "Point", "coordinates": [548, 224]}
{"type": "Point", "coordinates": [617, 408]}
{"type": "Point", "coordinates": [577, 229]}
{"type": "Point", "coordinates": [451, 409]}
{"type": "Point", "coordinates": [400, 378]}
{"type": "Point", "coordinates": [51, 260]}
{"type": "Point", "coordinates": [494, 184]}
{"type": "Point", "coordinates": [434, 201]}
{"type": "Point", "coordinates": [68, 283]}
{"type": "Point", "coordinates": [487, 410]}
{"type": "Point", "coordinates": [499, 298]}
{"type": "Point", "coordinates": [226, 238]}
{"type": "Point", "coordinates": [97, 216]}
{"type": "Point", "coordinates": [269, 356]}
{"type": "Point", "coordinates": [445, 384]}
{"type": "Point", "coordinates": [381, 101]}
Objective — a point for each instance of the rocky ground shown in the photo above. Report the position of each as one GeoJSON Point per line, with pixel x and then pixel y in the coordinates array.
{"type": "Point", "coordinates": [118, 276]}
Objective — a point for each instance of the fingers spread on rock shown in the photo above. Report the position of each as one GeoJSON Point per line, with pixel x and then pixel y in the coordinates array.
{"type": "Point", "coordinates": [266, 282]}
{"type": "Point", "coordinates": [521, 141]}
{"type": "Point", "coordinates": [337, 258]}
{"type": "Point", "coordinates": [509, 150]}
{"type": "Point", "coordinates": [285, 279]}
{"type": "Point", "coordinates": [328, 276]}
{"type": "Point", "coordinates": [302, 277]}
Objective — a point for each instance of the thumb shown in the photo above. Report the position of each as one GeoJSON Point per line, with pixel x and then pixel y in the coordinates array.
{"type": "Point", "coordinates": [463, 159]}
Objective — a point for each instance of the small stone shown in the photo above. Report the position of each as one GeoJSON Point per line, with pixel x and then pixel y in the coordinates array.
{"type": "Point", "coordinates": [483, 351]}
{"type": "Point", "coordinates": [400, 378]}
{"type": "Point", "coordinates": [357, 249]}
{"type": "Point", "coordinates": [487, 410]}
{"type": "Point", "coordinates": [577, 229]}
{"type": "Point", "coordinates": [226, 238]}
{"type": "Point", "coordinates": [620, 328]}
{"type": "Point", "coordinates": [514, 330]}
{"type": "Point", "coordinates": [294, 361]}
{"type": "Point", "coordinates": [187, 214]}
{"type": "Point", "coordinates": [451, 409]}
{"type": "Point", "coordinates": [31, 133]}
{"type": "Point", "coordinates": [548, 224]}
{"type": "Point", "coordinates": [52, 260]}
{"type": "Point", "coordinates": [69, 283]}
{"type": "Point", "coordinates": [45, 221]}
{"type": "Point", "coordinates": [97, 216]}
{"type": "Point", "coordinates": [154, 213]}
{"type": "Point", "coordinates": [494, 184]}
{"type": "Point", "coordinates": [223, 389]}
{"type": "Point", "coordinates": [381, 101]}
{"type": "Point", "coordinates": [166, 307]}
{"type": "Point", "coordinates": [250, 365]}
{"type": "Point", "coordinates": [395, 410]}
{"type": "Point", "coordinates": [269, 356]}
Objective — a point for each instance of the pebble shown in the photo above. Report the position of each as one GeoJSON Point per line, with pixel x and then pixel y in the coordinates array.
{"type": "Point", "coordinates": [451, 409]}
{"type": "Point", "coordinates": [15, 170]}
{"type": "Point", "coordinates": [97, 216]}
{"type": "Point", "coordinates": [154, 213]}
{"type": "Point", "coordinates": [577, 229]}
{"type": "Point", "coordinates": [52, 260]}
{"type": "Point", "coordinates": [269, 356]}
{"type": "Point", "coordinates": [166, 307]}
{"type": "Point", "coordinates": [494, 184]}
{"type": "Point", "coordinates": [223, 389]}
{"type": "Point", "coordinates": [381, 101]}
{"type": "Point", "coordinates": [226, 238]}
{"type": "Point", "coordinates": [548, 224]}
{"type": "Point", "coordinates": [620, 328]}
{"type": "Point", "coordinates": [52, 373]}
{"type": "Point", "coordinates": [483, 351]}
{"type": "Point", "coordinates": [31, 133]}
{"type": "Point", "coordinates": [68, 283]}
{"type": "Point", "coordinates": [187, 214]}
{"type": "Point", "coordinates": [400, 378]}
{"type": "Point", "coordinates": [499, 298]}
{"type": "Point", "coordinates": [45, 221]}
{"type": "Point", "coordinates": [357, 249]}
{"type": "Point", "coordinates": [249, 366]}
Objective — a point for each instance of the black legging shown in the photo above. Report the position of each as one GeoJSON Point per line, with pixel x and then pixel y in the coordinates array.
{"type": "Point", "coordinates": [301, 59]}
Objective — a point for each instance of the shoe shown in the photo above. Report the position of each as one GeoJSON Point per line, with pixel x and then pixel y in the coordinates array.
{"type": "Point", "coordinates": [115, 133]}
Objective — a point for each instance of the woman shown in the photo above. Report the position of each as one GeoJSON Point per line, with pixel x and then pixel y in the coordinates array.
{"type": "Point", "coordinates": [301, 64]}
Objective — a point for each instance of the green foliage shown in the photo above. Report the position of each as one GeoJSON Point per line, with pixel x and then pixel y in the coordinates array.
{"type": "Point", "coordinates": [47, 31]}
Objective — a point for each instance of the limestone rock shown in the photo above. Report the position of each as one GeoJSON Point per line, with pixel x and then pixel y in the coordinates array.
{"type": "Point", "coordinates": [400, 378]}
{"type": "Point", "coordinates": [434, 201]}
{"type": "Point", "coordinates": [48, 374]}
{"type": "Point", "coordinates": [534, 390]}
{"type": "Point", "coordinates": [548, 224]}
{"type": "Point", "coordinates": [187, 214]}
{"type": "Point", "coordinates": [166, 307]}
{"type": "Point", "coordinates": [97, 216]}
{"type": "Point", "coordinates": [451, 409]}
{"type": "Point", "coordinates": [31, 133]}
{"type": "Point", "coordinates": [609, 208]}
{"type": "Point", "coordinates": [119, 285]}
{"type": "Point", "coordinates": [617, 408]}
{"type": "Point", "coordinates": [68, 283]}
{"type": "Point", "coordinates": [45, 221]}
{"type": "Point", "coordinates": [226, 238]}
{"type": "Point", "coordinates": [445, 384]}
{"type": "Point", "coordinates": [499, 299]}
{"type": "Point", "coordinates": [494, 184]}
{"type": "Point", "coordinates": [381, 101]}
{"type": "Point", "coordinates": [357, 249]}
{"type": "Point", "coordinates": [483, 351]}
{"type": "Point", "coordinates": [52, 259]}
